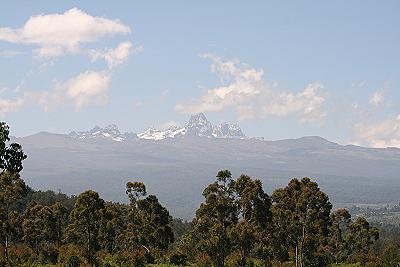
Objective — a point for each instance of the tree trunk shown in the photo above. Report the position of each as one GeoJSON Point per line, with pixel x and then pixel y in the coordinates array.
{"type": "Point", "coordinates": [242, 259]}
{"type": "Point", "coordinates": [6, 248]}
{"type": "Point", "coordinates": [89, 248]}
{"type": "Point", "coordinates": [221, 261]}
{"type": "Point", "coordinates": [302, 247]}
{"type": "Point", "coordinates": [297, 255]}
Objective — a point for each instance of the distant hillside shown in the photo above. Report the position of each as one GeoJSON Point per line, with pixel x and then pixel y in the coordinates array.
{"type": "Point", "coordinates": [178, 168]}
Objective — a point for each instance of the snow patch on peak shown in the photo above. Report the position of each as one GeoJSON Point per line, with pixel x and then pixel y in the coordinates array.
{"type": "Point", "coordinates": [154, 134]}
{"type": "Point", "coordinates": [228, 130]}
{"type": "Point", "coordinates": [199, 126]}
{"type": "Point", "coordinates": [109, 132]}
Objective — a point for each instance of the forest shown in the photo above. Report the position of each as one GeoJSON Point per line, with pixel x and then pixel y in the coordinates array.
{"type": "Point", "coordinates": [237, 224]}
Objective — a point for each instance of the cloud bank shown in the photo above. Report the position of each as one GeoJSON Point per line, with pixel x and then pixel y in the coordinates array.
{"type": "Point", "coordinates": [244, 89]}
{"type": "Point", "coordinates": [55, 35]}
{"type": "Point", "coordinates": [115, 56]}
{"type": "Point", "coordinates": [89, 88]}
{"type": "Point", "coordinates": [385, 133]}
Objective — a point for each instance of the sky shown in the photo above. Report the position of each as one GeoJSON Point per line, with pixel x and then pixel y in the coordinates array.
{"type": "Point", "coordinates": [280, 69]}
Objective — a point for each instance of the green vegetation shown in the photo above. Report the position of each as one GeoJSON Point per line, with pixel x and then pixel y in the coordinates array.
{"type": "Point", "coordinates": [238, 224]}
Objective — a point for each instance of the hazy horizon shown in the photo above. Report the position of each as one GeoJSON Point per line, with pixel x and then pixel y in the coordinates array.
{"type": "Point", "coordinates": [279, 70]}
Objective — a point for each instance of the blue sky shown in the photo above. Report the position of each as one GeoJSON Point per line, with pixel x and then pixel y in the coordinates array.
{"type": "Point", "coordinates": [281, 69]}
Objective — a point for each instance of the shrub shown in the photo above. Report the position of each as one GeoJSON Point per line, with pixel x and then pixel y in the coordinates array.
{"type": "Point", "coordinates": [178, 259]}
{"type": "Point", "coordinates": [73, 261]}
{"type": "Point", "coordinates": [203, 260]}
{"type": "Point", "coordinates": [49, 254]}
{"type": "Point", "coordinates": [70, 254]}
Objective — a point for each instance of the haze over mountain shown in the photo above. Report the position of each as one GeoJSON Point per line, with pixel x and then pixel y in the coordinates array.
{"type": "Point", "coordinates": [178, 162]}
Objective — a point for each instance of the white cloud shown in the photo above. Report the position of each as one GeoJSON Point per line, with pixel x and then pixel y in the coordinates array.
{"type": "Point", "coordinates": [115, 56]}
{"type": "Point", "coordinates": [7, 105]}
{"type": "Point", "coordinates": [384, 133]}
{"type": "Point", "coordinates": [87, 89]}
{"type": "Point", "coordinates": [306, 103]}
{"type": "Point", "coordinates": [243, 88]}
{"type": "Point", "coordinates": [58, 34]}
{"type": "Point", "coordinates": [377, 99]}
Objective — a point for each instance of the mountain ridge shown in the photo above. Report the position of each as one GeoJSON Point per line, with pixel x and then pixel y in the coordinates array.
{"type": "Point", "coordinates": [177, 169]}
{"type": "Point", "coordinates": [198, 125]}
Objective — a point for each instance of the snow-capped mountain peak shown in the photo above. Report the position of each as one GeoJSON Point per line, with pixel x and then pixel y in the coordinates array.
{"type": "Point", "coordinates": [199, 126]}
{"type": "Point", "coordinates": [109, 132]}
{"type": "Point", "coordinates": [154, 134]}
{"type": "Point", "coordinates": [198, 119]}
{"type": "Point", "coordinates": [228, 130]}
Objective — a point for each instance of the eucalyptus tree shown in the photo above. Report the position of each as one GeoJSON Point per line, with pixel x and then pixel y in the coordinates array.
{"type": "Point", "coordinates": [150, 224]}
{"type": "Point", "coordinates": [85, 222]}
{"type": "Point", "coordinates": [302, 212]}
{"type": "Point", "coordinates": [338, 245]}
{"type": "Point", "coordinates": [254, 216]}
{"type": "Point", "coordinates": [60, 215]}
{"type": "Point", "coordinates": [215, 219]}
{"type": "Point", "coordinates": [12, 187]}
{"type": "Point", "coordinates": [112, 227]}
{"type": "Point", "coordinates": [39, 226]}
{"type": "Point", "coordinates": [360, 238]}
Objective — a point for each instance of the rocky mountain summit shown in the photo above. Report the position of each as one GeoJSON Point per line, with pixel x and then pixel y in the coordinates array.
{"type": "Point", "coordinates": [109, 132]}
{"type": "Point", "coordinates": [197, 126]}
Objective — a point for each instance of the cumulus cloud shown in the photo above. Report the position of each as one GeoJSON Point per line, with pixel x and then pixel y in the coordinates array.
{"type": "Point", "coordinates": [87, 89]}
{"type": "Point", "coordinates": [57, 34]}
{"type": "Point", "coordinates": [376, 99]}
{"type": "Point", "coordinates": [115, 56]}
{"type": "Point", "coordinates": [384, 133]}
{"type": "Point", "coordinates": [243, 88]}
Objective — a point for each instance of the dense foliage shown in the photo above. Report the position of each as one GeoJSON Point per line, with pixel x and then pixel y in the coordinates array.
{"type": "Point", "coordinates": [238, 224]}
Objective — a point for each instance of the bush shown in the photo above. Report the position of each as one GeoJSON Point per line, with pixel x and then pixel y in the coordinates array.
{"type": "Point", "coordinates": [203, 260]}
{"type": "Point", "coordinates": [122, 259]}
{"type": "Point", "coordinates": [20, 255]}
{"type": "Point", "coordinates": [178, 259]}
{"type": "Point", "coordinates": [73, 261]}
{"type": "Point", "coordinates": [49, 254]}
{"type": "Point", "coordinates": [390, 256]}
{"type": "Point", "coordinates": [70, 254]}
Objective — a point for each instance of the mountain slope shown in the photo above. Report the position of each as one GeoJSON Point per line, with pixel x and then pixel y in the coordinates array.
{"type": "Point", "coordinates": [178, 169]}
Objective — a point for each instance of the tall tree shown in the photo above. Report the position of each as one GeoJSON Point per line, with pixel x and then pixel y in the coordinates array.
{"type": "Point", "coordinates": [215, 218]}
{"type": "Point", "coordinates": [12, 187]}
{"type": "Point", "coordinates": [360, 238]}
{"type": "Point", "coordinates": [338, 246]}
{"type": "Point", "coordinates": [254, 213]}
{"type": "Point", "coordinates": [156, 223]}
{"type": "Point", "coordinates": [112, 227]}
{"type": "Point", "coordinates": [303, 212]}
{"type": "Point", "coordinates": [38, 226]}
{"type": "Point", "coordinates": [86, 221]}
{"type": "Point", "coordinates": [150, 225]}
{"type": "Point", "coordinates": [133, 233]}
{"type": "Point", "coordinates": [135, 191]}
{"type": "Point", "coordinates": [60, 215]}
